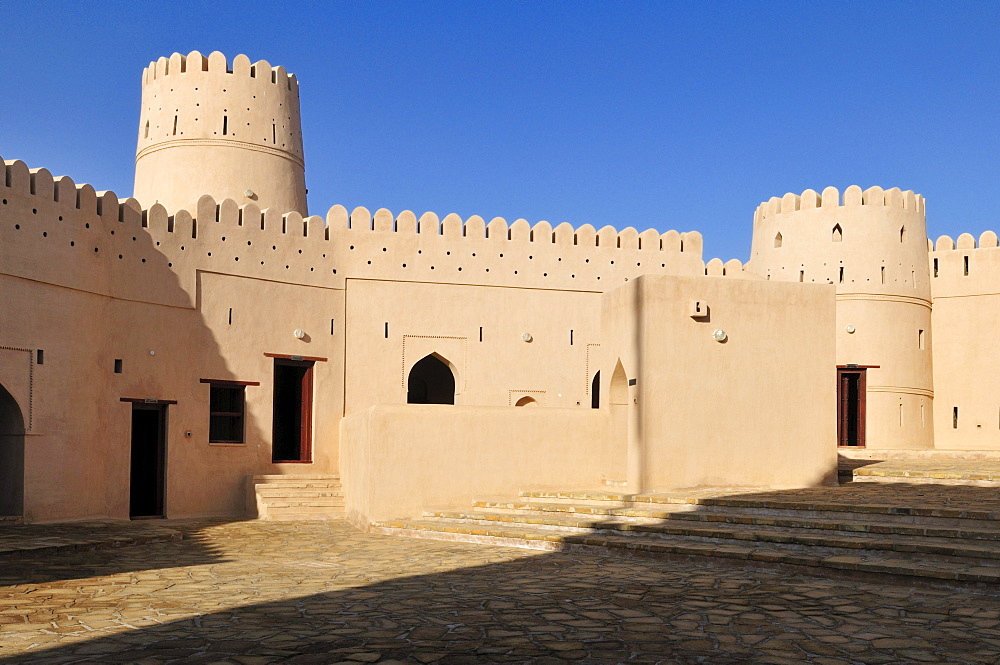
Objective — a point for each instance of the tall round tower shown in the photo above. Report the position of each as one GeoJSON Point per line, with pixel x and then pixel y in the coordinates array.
{"type": "Point", "coordinates": [873, 246]}
{"type": "Point", "coordinates": [231, 132]}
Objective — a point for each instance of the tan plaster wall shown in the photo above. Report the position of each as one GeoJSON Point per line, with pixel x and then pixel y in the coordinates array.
{"type": "Point", "coordinates": [401, 460]}
{"type": "Point", "coordinates": [884, 294]}
{"type": "Point", "coordinates": [446, 319]}
{"type": "Point", "coordinates": [756, 410]}
{"type": "Point", "coordinates": [966, 364]}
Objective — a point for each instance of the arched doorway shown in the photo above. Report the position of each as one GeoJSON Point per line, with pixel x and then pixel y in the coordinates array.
{"type": "Point", "coordinates": [431, 381]}
{"type": "Point", "coordinates": [527, 400]}
{"type": "Point", "coordinates": [11, 456]}
{"type": "Point", "coordinates": [595, 391]}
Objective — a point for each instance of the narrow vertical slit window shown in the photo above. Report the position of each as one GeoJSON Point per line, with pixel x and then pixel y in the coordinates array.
{"type": "Point", "coordinates": [920, 339]}
{"type": "Point", "coordinates": [841, 274]}
{"type": "Point", "coordinates": [480, 333]}
{"type": "Point", "coordinates": [146, 133]}
{"type": "Point", "coordinates": [802, 275]}
{"type": "Point", "coordinates": [225, 125]}
{"type": "Point", "coordinates": [230, 316]}
{"type": "Point", "coordinates": [902, 234]}
{"type": "Point", "coordinates": [118, 365]}
{"type": "Point", "coordinates": [175, 125]}
{"type": "Point", "coordinates": [39, 357]}
{"type": "Point", "coordinates": [571, 337]}
{"type": "Point", "coordinates": [274, 134]}
{"type": "Point", "coordinates": [935, 267]}
{"type": "Point", "coordinates": [333, 328]}
{"type": "Point", "coordinates": [882, 272]}
{"type": "Point", "coordinates": [387, 330]}
{"type": "Point", "coordinates": [954, 418]}
{"type": "Point", "coordinates": [965, 264]}
{"type": "Point", "coordinates": [901, 415]}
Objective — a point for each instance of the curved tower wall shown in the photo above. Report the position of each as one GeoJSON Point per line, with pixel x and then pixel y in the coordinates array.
{"type": "Point", "coordinates": [228, 131]}
{"type": "Point", "coordinates": [872, 245]}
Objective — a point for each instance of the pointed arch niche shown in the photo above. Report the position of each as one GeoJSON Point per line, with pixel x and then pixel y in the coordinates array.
{"type": "Point", "coordinates": [11, 456]}
{"type": "Point", "coordinates": [431, 381]}
{"type": "Point", "coordinates": [838, 233]}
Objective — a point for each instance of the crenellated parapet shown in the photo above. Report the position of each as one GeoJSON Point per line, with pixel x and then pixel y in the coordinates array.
{"type": "Point", "coordinates": [230, 129]}
{"type": "Point", "coordinates": [55, 231]}
{"type": "Point", "coordinates": [965, 266]}
{"type": "Point", "coordinates": [870, 241]}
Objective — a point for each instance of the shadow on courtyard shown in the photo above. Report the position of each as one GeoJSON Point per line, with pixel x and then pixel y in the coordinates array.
{"type": "Point", "coordinates": [518, 607]}
{"type": "Point", "coordinates": [103, 548]}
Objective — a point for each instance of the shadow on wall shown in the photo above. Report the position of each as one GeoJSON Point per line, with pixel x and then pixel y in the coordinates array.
{"type": "Point", "coordinates": [557, 607]}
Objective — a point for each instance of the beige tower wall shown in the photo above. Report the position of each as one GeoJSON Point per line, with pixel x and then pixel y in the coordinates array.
{"type": "Point", "coordinates": [964, 282]}
{"type": "Point", "coordinates": [872, 246]}
{"type": "Point", "coordinates": [208, 127]}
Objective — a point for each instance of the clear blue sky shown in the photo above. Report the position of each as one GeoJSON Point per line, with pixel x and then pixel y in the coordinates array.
{"type": "Point", "coordinates": [664, 114]}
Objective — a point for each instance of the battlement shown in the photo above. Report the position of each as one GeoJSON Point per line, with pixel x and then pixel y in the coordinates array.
{"type": "Point", "coordinates": [830, 198]}
{"type": "Point", "coordinates": [987, 240]}
{"type": "Point", "coordinates": [216, 62]}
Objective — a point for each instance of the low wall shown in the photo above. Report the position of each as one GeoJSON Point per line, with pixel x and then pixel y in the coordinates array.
{"type": "Point", "coordinates": [399, 460]}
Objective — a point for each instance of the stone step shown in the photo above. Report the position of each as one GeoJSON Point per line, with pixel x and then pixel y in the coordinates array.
{"type": "Point", "coordinates": [851, 523]}
{"type": "Point", "coordinates": [880, 564]}
{"type": "Point", "coordinates": [982, 473]}
{"type": "Point", "coordinates": [302, 517]}
{"type": "Point", "coordinates": [274, 504]}
{"type": "Point", "coordinates": [801, 539]}
{"type": "Point", "coordinates": [295, 477]}
{"type": "Point", "coordinates": [776, 506]}
{"type": "Point", "coordinates": [298, 492]}
{"type": "Point", "coordinates": [11, 520]}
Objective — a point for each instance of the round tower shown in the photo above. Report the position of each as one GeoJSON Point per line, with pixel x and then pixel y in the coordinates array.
{"type": "Point", "coordinates": [873, 246]}
{"type": "Point", "coordinates": [231, 132]}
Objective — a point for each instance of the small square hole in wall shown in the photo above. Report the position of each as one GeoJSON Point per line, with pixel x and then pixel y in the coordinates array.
{"type": "Point", "coordinates": [118, 365]}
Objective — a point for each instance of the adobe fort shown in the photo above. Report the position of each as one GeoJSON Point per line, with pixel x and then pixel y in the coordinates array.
{"type": "Point", "coordinates": [181, 352]}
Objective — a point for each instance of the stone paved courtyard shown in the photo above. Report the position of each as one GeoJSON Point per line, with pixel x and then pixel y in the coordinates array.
{"type": "Point", "coordinates": [314, 592]}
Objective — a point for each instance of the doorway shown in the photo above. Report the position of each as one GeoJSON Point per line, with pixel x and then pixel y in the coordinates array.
{"type": "Point", "coordinates": [11, 456]}
{"type": "Point", "coordinates": [851, 407]}
{"type": "Point", "coordinates": [431, 381]}
{"type": "Point", "coordinates": [148, 463]}
{"type": "Point", "coordinates": [291, 423]}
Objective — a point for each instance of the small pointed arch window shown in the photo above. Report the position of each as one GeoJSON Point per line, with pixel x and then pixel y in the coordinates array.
{"type": "Point", "coordinates": [146, 132]}
{"type": "Point", "coordinates": [527, 400]}
{"type": "Point", "coordinates": [902, 234]}
{"type": "Point", "coordinates": [777, 240]}
{"type": "Point", "coordinates": [838, 233]}
{"type": "Point", "coordinates": [595, 391]}
{"type": "Point", "coordinates": [430, 381]}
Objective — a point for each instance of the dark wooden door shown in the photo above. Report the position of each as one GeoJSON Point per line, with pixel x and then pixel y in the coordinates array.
{"type": "Point", "coordinates": [148, 460]}
{"type": "Point", "coordinates": [291, 424]}
{"type": "Point", "coordinates": [851, 407]}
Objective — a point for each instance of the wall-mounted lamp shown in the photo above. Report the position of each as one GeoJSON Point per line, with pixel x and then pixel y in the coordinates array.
{"type": "Point", "coordinates": [152, 353]}
{"type": "Point", "coordinates": [248, 193]}
{"type": "Point", "coordinates": [526, 337]}
{"type": "Point", "coordinates": [850, 329]}
{"type": "Point", "coordinates": [720, 335]}
{"type": "Point", "coordinates": [299, 333]}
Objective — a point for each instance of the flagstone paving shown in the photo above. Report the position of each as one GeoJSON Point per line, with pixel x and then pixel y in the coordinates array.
{"type": "Point", "coordinates": [249, 593]}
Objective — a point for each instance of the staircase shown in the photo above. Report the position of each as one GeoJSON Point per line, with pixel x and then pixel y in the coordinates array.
{"type": "Point", "coordinates": [298, 497]}
{"type": "Point", "coordinates": [901, 534]}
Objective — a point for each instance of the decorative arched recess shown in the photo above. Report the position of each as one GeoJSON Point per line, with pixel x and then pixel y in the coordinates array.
{"type": "Point", "coordinates": [11, 456]}
{"type": "Point", "coordinates": [431, 381]}
{"type": "Point", "coordinates": [527, 400]}
{"type": "Point", "coordinates": [618, 388]}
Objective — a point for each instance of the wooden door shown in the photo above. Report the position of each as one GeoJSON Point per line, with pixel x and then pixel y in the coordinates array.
{"type": "Point", "coordinates": [851, 407]}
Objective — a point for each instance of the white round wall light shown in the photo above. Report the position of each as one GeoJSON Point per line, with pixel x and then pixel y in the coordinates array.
{"type": "Point", "coordinates": [850, 329]}
{"type": "Point", "coordinates": [720, 335]}
{"type": "Point", "coordinates": [248, 193]}
{"type": "Point", "coordinates": [299, 333]}
{"type": "Point", "coordinates": [526, 337]}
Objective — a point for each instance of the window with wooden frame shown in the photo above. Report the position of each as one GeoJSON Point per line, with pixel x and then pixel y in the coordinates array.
{"type": "Point", "coordinates": [227, 410]}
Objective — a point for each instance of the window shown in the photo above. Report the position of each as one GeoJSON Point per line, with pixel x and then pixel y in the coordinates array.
{"type": "Point", "coordinates": [226, 410]}
{"type": "Point", "coordinates": [227, 406]}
